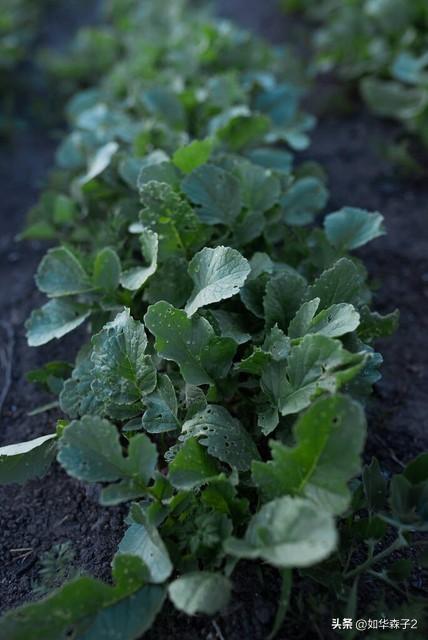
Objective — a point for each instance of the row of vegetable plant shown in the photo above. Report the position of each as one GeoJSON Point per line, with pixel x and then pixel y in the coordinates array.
{"type": "Point", "coordinates": [380, 44]}
{"type": "Point", "coordinates": [228, 352]}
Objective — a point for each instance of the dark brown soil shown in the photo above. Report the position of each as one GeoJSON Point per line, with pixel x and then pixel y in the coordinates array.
{"type": "Point", "coordinates": [56, 508]}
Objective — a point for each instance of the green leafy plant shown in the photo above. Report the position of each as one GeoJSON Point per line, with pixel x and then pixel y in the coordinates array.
{"type": "Point", "coordinates": [383, 45]}
{"type": "Point", "coordinates": [231, 351]}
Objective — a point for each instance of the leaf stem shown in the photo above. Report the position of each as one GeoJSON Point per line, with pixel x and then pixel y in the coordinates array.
{"type": "Point", "coordinates": [372, 560]}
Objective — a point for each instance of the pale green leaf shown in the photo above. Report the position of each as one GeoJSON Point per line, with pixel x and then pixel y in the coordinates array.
{"type": "Point", "coordinates": [106, 270]}
{"type": "Point", "coordinates": [74, 606]}
{"type": "Point", "coordinates": [61, 274]}
{"type": "Point", "coordinates": [303, 200]}
{"type": "Point", "coordinates": [287, 532]}
{"type": "Point", "coordinates": [223, 435]}
{"type": "Point", "coordinates": [260, 188]}
{"type": "Point", "coordinates": [318, 364]}
{"type": "Point", "coordinates": [99, 162]}
{"type": "Point", "coordinates": [191, 343]}
{"type": "Point", "coordinates": [271, 158]}
{"type": "Point", "coordinates": [217, 192]}
{"type": "Point", "coordinates": [333, 322]}
{"type": "Point", "coordinates": [392, 99]}
{"type": "Point", "coordinates": [161, 407]}
{"type": "Point", "coordinates": [217, 274]}
{"type": "Point", "coordinates": [329, 440]}
{"type": "Point", "coordinates": [351, 228]}
{"type": "Point", "coordinates": [134, 278]}
{"type": "Point", "coordinates": [26, 460]}
{"type": "Point", "coordinates": [54, 320]}
{"type": "Point", "coordinates": [90, 450]}
{"type": "Point", "coordinates": [239, 127]}
{"type": "Point", "coordinates": [142, 539]}
{"type": "Point", "coordinates": [122, 372]}
{"type": "Point", "coordinates": [342, 282]}
{"type": "Point", "coordinates": [160, 172]}
{"type": "Point", "coordinates": [129, 618]}
{"type": "Point", "coordinates": [200, 592]}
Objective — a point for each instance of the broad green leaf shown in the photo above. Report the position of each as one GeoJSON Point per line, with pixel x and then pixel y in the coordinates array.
{"type": "Point", "coordinates": [299, 325]}
{"type": "Point", "coordinates": [54, 320]}
{"type": "Point", "coordinates": [77, 397]}
{"type": "Point", "coordinates": [283, 297]}
{"type": "Point", "coordinates": [61, 274]}
{"type": "Point", "coordinates": [191, 466]}
{"type": "Point", "coordinates": [239, 127]}
{"type": "Point", "coordinates": [142, 539]}
{"type": "Point", "coordinates": [318, 364]}
{"type": "Point", "coordinates": [250, 226]}
{"type": "Point", "coordinates": [122, 491]}
{"type": "Point", "coordinates": [329, 440]}
{"type": "Point", "coordinates": [271, 158]}
{"type": "Point", "coordinates": [90, 450]}
{"type": "Point", "coordinates": [217, 192]}
{"type": "Point", "coordinates": [72, 608]}
{"type": "Point", "coordinates": [342, 282]}
{"type": "Point", "coordinates": [373, 325]}
{"type": "Point", "coordinates": [26, 460]}
{"type": "Point", "coordinates": [200, 592]}
{"type": "Point", "coordinates": [106, 270]}
{"type": "Point", "coordinates": [122, 372]}
{"type": "Point", "coordinates": [191, 343]}
{"type": "Point", "coordinates": [351, 228]}
{"type": "Point", "coordinates": [129, 169]}
{"type": "Point", "coordinates": [287, 532]}
{"type": "Point", "coordinates": [333, 322]}
{"type": "Point", "coordinates": [129, 618]}
{"type": "Point", "coordinates": [223, 435]}
{"type": "Point", "coordinates": [217, 274]}
{"type": "Point", "coordinates": [260, 187]}
{"type": "Point", "coordinates": [303, 200]}
{"type": "Point", "coordinates": [190, 157]}
{"type": "Point", "coordinates": [409, 68]}
{"type": "Point", "coordinates": [134, 278]}
{"type": "Point", "coordinates": [161, 407]}
{"type": "Point", "coordinates": [392, 99]}
{"type": "Point", "coordinates": [279, 101]}
{"type": "Point", "coordinates": [160, 172]}
{"type": "Point", "coordinates": [163, 102]}
{"type": "Point", "coordinates": [65, 210]}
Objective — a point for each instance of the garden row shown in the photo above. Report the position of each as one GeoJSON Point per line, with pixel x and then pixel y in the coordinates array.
{"type": "Point", "coordinates": [221, 392]}
{"type": "Point", "coordinates": [380, 44]}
